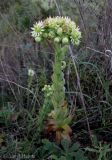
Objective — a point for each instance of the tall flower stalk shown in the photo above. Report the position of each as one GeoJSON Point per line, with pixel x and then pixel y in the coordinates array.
{"type": "Point", "coordinates": [58, 95]}
{"type": "Point", "coordinates": [62, 31]}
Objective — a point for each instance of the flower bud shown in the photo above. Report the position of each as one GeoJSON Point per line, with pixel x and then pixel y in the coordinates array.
{"type": "Point", "coordinates": [65, 40]}
{"type": "Point", "coordinates": [51, 34]}
{"type": "Point", "coordinates": [31, 72]}
{"type": "Point", "coordinates": [77, 42]}
{"type": "Point", "coordinates": [57, 39]}
{"type": "Point", "coordinates": [48, 94]}
{"type": "Point", "coordinates": [59, 31]}
{"type": "Point", "coordinates": [45, 35]}
{"type": "Point", "coordinates": [38, 39]}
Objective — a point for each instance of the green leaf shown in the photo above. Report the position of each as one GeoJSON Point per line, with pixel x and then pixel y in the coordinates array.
{"type": "Point", "coordinates": [79, 155]}
{"type": "Point", "coordinates": [65, 144]}
{"type": "Point", "coordinates": [54, 157]}
{"type": "Point", "coordinates": [62, 158]}
{"type": "Point", "coordinates": [75, 147]}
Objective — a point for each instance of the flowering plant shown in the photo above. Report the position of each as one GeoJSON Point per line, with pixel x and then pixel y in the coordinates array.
{"type": "Point", "coordinates": [62, 31]}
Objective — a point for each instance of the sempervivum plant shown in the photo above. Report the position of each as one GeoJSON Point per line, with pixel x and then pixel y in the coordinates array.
{"type": "Point", "coordinates": [62, 31]}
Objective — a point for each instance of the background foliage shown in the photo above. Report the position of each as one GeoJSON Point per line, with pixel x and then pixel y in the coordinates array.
{"type": "Point", "coordinates": [20, 102]}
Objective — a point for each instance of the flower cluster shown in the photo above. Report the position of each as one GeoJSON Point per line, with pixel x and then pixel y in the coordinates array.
{"type": "Point", "coordinates": [31, 72]}
{"type": "Point", "coordinates": [60, 29]}
{"type": "Point", "coordinates": [48, 89]}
